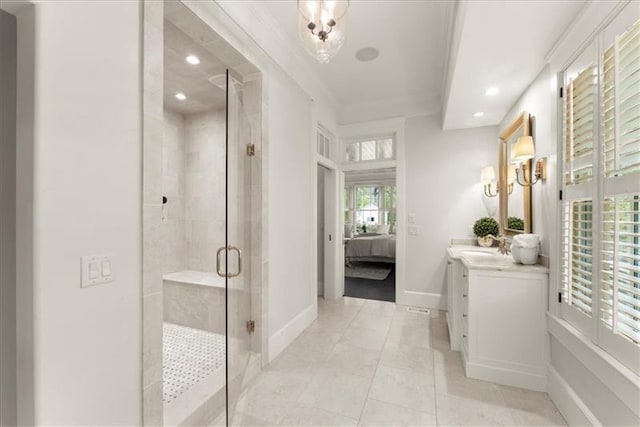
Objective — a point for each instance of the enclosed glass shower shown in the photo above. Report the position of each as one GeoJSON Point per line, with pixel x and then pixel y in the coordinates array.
{"type": "Point", "coordinates": [210, 240]}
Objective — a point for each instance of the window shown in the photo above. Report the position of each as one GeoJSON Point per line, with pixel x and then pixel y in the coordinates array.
{"type": "Point", "coordinates": [324, 143]}
{"type": "Point", "coordinates": [373, 204]}
{"type": "Point", "coordinates": [600, 239]}
{"type": "Point", "coordinates": [370, 150]}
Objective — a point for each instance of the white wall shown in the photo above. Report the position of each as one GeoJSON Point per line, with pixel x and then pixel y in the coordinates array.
{"type": "Point", "coordinates": [8, 44]}
{"type": "Point", "coordinates": [83, 152]}
{"type": "Point", "coordinates": [539, 101]}
{"type": "Point", "coordinates": [444, 193]}
{"type": "Point", "coordinates": [292, 288]}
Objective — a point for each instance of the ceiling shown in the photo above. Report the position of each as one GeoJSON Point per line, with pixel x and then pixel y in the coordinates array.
{"type": "Point", "coordinates": [492, 43]}
{"type": "Point", "coordinates": [502, 44]}
{"type": "Point", "coordinates": [406, 78]}
{"type": "Point", "coordinates": [204, 84]}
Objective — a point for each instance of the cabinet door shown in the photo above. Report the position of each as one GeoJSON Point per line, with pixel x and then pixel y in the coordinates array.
{"type": "Point", "coordinates": [507, 320]}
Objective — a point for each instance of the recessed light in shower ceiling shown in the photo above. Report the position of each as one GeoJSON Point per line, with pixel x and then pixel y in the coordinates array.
{"type": "Point", "coordinates": [491, 91]}
{"type": "Point", "coordinates": [192, 59]}
{"type": "Point", "coordinates": [478, 114]}
{"type": "Point", "coordinates": [367, 54]}
{"type": "Point", "coordinates": [181, 96]}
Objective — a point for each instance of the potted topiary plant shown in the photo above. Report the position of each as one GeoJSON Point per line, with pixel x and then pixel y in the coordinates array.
{"type": "Point", "coordinates": [515, 223]}
{"type": "Point", "coordinates": [485, 227]}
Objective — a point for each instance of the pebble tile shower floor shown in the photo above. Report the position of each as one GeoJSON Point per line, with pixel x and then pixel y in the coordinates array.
{"type": "Point", "coordinates": [189, 356]}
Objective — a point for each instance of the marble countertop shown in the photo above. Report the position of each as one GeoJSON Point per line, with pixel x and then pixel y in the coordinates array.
{"type": "Point", "coordinates": [477, 257]}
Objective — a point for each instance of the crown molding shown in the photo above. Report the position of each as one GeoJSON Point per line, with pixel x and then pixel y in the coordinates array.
{"type": "Point", "coordinates": [590, 20]}
{"type": "Point", "coordinates": [15, 6]}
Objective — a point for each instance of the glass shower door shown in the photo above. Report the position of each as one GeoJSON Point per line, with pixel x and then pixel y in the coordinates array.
{"type": "Point", "coordinates": [239, 324]}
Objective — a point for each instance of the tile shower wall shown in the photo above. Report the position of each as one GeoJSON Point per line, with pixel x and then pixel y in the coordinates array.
{"type": "Point", "coordinates": [205, 188]}
{"type": "Point", "coordinates": [173, 187]}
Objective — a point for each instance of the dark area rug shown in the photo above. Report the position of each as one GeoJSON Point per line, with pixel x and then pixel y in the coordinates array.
{"type": "Point", "coordinates": [380, 290]}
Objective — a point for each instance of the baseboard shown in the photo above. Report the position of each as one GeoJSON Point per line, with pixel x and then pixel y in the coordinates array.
{"type": "Point", "coordinates": [505, 376]}
{"type": "Point", "coordinates": [289, 332]}
{"type": "Point", "coordinates": [423, 299]}
{"type": "Point", "coordinates": [568, 402]}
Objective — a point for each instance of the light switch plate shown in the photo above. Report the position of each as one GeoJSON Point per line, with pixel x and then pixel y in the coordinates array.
{"type": "Point", "coordinates": [414, 230]}
{"type": "Point", "coordinates": [96, 270]}
{"type": "Point", "coordinates": [412, 218]}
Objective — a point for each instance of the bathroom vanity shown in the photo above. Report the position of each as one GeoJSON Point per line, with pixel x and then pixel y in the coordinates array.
{"type": "Point", "coordinates": [496, 316]}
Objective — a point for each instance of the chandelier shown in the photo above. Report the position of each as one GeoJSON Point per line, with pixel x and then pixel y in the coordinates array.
{"type": "Point", "coordinates": [322, 26]}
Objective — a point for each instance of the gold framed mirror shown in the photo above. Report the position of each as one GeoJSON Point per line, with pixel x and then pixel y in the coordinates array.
{"type": "Point", "coordinates": [515, 199]}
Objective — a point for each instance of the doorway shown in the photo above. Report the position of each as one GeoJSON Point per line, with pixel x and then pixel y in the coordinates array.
{"type": "Point", "coordinates": [370, 235]}
{"type": "Point", "coordinates": [202, 237]}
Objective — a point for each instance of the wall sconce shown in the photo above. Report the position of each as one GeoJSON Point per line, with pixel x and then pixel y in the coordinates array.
{"type": "Point", "coordinates": [523, 151]}
{"type": "Point", "coordinates": [488, 178]}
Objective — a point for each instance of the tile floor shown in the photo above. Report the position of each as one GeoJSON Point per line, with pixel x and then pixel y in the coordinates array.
{"type": "Point", "coordinates": [371, 363]}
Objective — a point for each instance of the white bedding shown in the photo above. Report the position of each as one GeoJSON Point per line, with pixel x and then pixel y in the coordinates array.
{"type": "Point", "coordinates": [383, 245]}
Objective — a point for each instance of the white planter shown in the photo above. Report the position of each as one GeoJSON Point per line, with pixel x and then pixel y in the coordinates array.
{"type": "Point", "coordinates": [485, 242]}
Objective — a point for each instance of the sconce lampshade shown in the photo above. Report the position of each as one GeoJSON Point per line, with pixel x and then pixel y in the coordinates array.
{"type": "Point", "coordinates": [523, 150]}
{"type": "Point", "coordinates": [487, 175]}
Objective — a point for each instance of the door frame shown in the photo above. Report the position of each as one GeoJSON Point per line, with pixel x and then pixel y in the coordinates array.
{"type": "Point", "coordinates": [333, 268]}
{"type": "Point", "coordinates": [395, 127]}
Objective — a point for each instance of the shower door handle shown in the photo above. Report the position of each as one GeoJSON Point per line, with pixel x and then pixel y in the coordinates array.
{"type": "Point", "coordinates": [233, 248]}
{"type": "Point", "coordinates": [220, 273]}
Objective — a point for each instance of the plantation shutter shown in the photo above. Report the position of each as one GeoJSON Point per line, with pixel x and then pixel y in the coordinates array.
{"type": "Point", "coordinates": [577, 259]}
{"type": "Point", "coordinates": [577, 234]}
{"type": "Point", "coordinates": [619, 294]}
{"type": "Point", "coordinates": [580, 107]}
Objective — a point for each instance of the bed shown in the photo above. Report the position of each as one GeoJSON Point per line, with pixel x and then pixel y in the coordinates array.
{"type": "Point", "coordinates": [371, 248]}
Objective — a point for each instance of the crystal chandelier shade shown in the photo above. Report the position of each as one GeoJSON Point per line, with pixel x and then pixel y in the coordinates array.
{"type": "Point", "coordinates": [322, 26]}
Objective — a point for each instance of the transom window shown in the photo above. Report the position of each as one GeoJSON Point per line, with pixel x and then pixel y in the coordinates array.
{"type": "Point", "coordinates": [324, 142]}
{"type": "Point", "coordinates": [370, 150]}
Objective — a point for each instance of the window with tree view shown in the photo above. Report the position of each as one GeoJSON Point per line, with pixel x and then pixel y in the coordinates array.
{"type": "Point", "coordinates": [370, 205]}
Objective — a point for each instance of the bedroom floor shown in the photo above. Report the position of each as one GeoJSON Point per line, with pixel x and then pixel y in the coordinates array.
{"type": "Point", "coordinates": [379, 290]}
{"type": "Point", "coordinates": [373, 363]}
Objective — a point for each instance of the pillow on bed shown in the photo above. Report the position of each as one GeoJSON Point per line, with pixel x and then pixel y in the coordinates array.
{"type": "Point", "coordinates": [383, 229]}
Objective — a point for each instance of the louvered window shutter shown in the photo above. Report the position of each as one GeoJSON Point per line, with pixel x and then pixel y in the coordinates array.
{"type": "Point", "coordinates": [619, 292]}
{"type": "Point", "coordinates": [580, 139]}
{"type": "Point", "coordinates": [600, 227]}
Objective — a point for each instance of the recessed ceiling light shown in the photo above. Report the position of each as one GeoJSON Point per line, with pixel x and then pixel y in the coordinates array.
{"type": "Point", "coordinates": [491, 91]}
{"type": "Point", "coordinates": [181, 96]}
{"type": "Point", "coordinates": [193, 60]}
{"type": "Point", "coordinates": [478, 114]}
{"type": "Point", "coordinates": [367, 54]}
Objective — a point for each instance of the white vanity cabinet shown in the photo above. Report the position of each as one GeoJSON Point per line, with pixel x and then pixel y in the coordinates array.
{"type": "Point", "coordinates": [499, 314]}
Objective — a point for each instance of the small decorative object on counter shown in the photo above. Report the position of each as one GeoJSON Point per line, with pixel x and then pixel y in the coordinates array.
{"type": "Point", "coordinates": [483, 228]}
{"type": "Point", "coordinates": [525, 248]}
